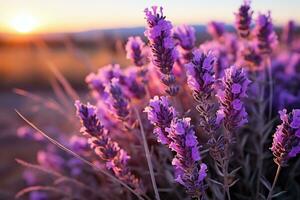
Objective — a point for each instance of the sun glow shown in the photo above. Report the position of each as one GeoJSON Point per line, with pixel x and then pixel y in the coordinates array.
{"type": "Point", "coordinates": [23, 23]}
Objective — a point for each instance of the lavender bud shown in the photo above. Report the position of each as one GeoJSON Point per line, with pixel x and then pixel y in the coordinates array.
{"type": "Point", "coordinates": [200, 72]}
{"type": "Point", "coordinates": [135, 88]}
{"type": "Point", "coordinates": [249, 58]}
{"type": "Point", "coordinates": [286, 139]}
{"type": "Point", "coordinates": [232, 110]}
{"type": "Point", "coordinates": [201, 79]}
{"type": "Point", "coordinates": [243, 19]}
{"type": "Point", "coordinates": [266, 38]}
{"type": "Point", "coordinates": [216, 29]}
{"type": "Point", "coordinates": [289, 32]}
{"type": "Point", "coordinates": [160, 114]}
{"type": "Point", "coordinates": [163, 48]}
{"type": "Point", "coordinates": [108, 150]}
{"type": "Point", "coordinates": [136, 51]}
{"type": "Point", "coordinates": [184, 35]}
{"type": "Point", "coordinates": [189, 172]}
{"type": "Point", "coordinates": [104, 75]}
{"type": "Point", "coordinates": [117, 100]}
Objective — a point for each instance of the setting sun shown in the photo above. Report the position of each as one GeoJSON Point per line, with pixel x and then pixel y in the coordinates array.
{"type": "Point", "coordinates": [23, 23]}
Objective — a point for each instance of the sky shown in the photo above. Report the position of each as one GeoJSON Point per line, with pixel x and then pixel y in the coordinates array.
{"type": "Point", "coordinates": [78, 15]}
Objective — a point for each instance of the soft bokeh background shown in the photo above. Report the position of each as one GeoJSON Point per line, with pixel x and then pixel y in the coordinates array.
{"type": "Point", "coordinates": [76, 37]}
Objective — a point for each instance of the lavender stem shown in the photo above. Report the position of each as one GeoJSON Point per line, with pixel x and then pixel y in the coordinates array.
{"type": "Point", "coordinates": [274, 182]}
{"type": "Point", "coordinates": [148, 157]}
{"type": "Point", "coordinates": [268, 65]}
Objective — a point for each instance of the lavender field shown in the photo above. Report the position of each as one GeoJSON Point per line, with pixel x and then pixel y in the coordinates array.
{"type": "Point", "coordinates": [157, 112]}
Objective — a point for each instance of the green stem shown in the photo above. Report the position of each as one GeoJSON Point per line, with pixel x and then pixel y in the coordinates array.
{"type": "Point", "coordinates": [148, 157]}
{"type": "Point", "coordinates": [268, 66]}
{"type": "Point", "coordinates": [225, 165]}
{"type": "Point", "coordinates": [274, 182]}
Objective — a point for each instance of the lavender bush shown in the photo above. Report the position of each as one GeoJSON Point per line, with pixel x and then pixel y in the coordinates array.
{"type": "Point", "coordinates": [206, 135]}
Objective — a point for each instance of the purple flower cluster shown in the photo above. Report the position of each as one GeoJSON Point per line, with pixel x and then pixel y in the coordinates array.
{"type": "Point", "coordinates": [117, 100]}
{"type": "Point", "coordinates": [286, 139]}
{"type": "Point", "coordinates": [201, 79]}
{"type": "Point", "coordinates": [160, 114]}
{"type": "Point", "coordinates": [98, 81]}
{"type": "Point", "coordinates": [134, 87]}
{"type": "Point", "coordinates": [98, 137]}
{"type": "Point", "coordinates": [185, 36]}
{"type": "Point", "coordinates": [289, 32]}
{"type": "Point", "coordinates": [189, 171]}
{"type": "Point", "coordinates": [249, 58]}
{"type": "Point", "coordinates": [136, 51]}
{"type": "Point", "coordinates": [216, 29]}
{"type": "Point", "coordinates": [200, 72]}
{"type": "Point", "coordinates": [243, 20]}
{"type": "Point", "coordinates": [232, 110]}
{"type": "Point", "coordinates": [163, 47]}
{"type": "Point", "coordinates": [266, 38]}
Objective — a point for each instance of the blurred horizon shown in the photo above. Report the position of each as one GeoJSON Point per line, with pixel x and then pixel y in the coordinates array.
{"type": "Point", "coordinates": [39, 16]}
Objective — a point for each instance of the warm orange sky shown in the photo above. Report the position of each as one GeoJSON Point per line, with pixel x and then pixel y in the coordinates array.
{"type": "Point", "coordinates": [76, 15]}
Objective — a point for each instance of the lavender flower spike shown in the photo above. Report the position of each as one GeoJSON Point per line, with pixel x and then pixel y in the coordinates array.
{"type": "Point", "coordinates": [200, 72]}
{"type": "Point", "coordinates": [185, 35]}
{"type": "Point", "coordinates": [216, 29]}
{"type": "Point", "coordinates": [286, 139]}
{"type": "Point", "coordinates": [289, 32]}
{"type": "Point", "coordinates": [201, 79]}
{"type": "Point", "coordinates": [243, 19]}
{"type": "Point", "coordinates": [232, 109]}
{"type": "Point", "coordinates": [135, 51]}
{"type": "Point", "coordinates": [117, 99]}
{"type": "Point", "coordinates": [188, 170]}
{"type": "Point", "coordinates": [98, 137]}
{"type": "Point", "coordinates": [163, 48]}
{"type": "Point", "coordinates": [160, 114]}
{"type": "Point", "coordinates": [266, 38]}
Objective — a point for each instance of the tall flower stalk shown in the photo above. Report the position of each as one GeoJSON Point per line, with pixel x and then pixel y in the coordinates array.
{"type": "Point", "coordinates": [266, 41]}
{"type": "Point", "coordinates": [185, 38]}
{"type": "Point", "coordinates": [286, 141]}
{"type": "Point", "coordinates": [189, 171]}
{"type": "Point", "coordinates": [138, 52]}
{"type": "Point", "coordinates": [163, 48]}
{"type": "Point", "coordinates": [232, 112]}
{"type": "Point", "coordinates": [243, 20]}
{"type": "Point", "coordinates": [99, 140]}
{"type": "Point", "coordinates": [117, 100]}
{"type": "Point", "coordinates": [160, 114]}
{"type": "Point", "coordinates": [201, 79]}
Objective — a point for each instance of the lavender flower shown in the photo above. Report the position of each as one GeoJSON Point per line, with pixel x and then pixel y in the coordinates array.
{"type": "Point", "coordinates": [200, 72]}
{"type": "Point", "coordinates": [289, 32]}
{"type": "Point", "coordinates": [117, 100]}
{"type": "Point", "coordinates": [201, 79]}
{"type": "Point", "coordinates": [104, 75]}
{"type": "Point", "coordinates": [136, 51]}
{"type": "Point", "coordinates": [133, 85]}
{"type": "Point", "coordinates": [188, 170]}
{"type": "Point", "coordinates": [249, 58]}
{"type": "Point", "coordinates": [160, 114]}
{"type": "Point", "coordinates": [185, 36]}
{"type": "Point", "coordinates": [163, 47]}
{"type": "Point", "coordinates": [286, 139]}
{"type": "Point", "coordinates": [232, 110]}
{"type": "Point", "coordinates": [108, 150]}
{"type": "Point", "coordinates": [243, 19]}
{"type": "Point", "coordinates": [216, 29]}
{"type": "Point", "coordinates": [266, 38]}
